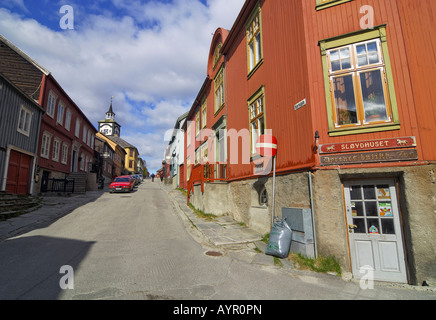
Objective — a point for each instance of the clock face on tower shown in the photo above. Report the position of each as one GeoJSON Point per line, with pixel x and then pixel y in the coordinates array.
{"type": "Point", "coordinates": [106, 129]}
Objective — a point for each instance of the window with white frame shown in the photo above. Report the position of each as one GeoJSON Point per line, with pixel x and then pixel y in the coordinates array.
{"type": "Point", "coordinates": [24, 121]}
{"type": "Point", "coordinates": [65, 149]}
{"type": "Point", "coordinates": [51, 104]}
{"type": "Point", "coordinates": [84, 133]}
{"type": "Point", "coordinates": [68, 116]}
{"type": "Point", "coordinates": [61, 110]}
{"type": "Point", "coordinates": [56, 148]}
{"type": "Point", "coordinates": [45, 145]}
{"type": "Point", "coordinates": [77, 133]}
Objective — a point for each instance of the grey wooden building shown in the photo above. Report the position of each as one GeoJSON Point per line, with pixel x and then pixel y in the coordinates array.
{"type": "Point", "coordinates": [20, 121]}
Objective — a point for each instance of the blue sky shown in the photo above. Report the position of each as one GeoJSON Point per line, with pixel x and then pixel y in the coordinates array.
{"type": "Point", "coordinates": [151, 56]}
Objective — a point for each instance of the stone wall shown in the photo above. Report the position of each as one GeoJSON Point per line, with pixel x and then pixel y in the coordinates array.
{"type": "Point", "coordinates": [417, 202]}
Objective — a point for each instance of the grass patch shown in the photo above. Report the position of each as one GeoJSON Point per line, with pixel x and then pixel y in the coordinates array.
{"type": "Point", "coordinates": [182, 191]}
{"type": "Point", "coordinates": [265, 238]}
{"type": "Point", "coordinates": [320, 264]}
{"type": "Point", "coordinates": [201, 214]}
{"type": "Point", "coordinates": [277, 262]}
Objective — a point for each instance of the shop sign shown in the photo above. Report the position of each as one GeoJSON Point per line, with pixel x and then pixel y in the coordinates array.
{"type": "Point", "coordinates": [391, 143]}
{"type": "Point", "coordinates": [369, 157]}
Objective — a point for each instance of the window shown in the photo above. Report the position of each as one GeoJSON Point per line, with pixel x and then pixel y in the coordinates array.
{"type": "Point", "coordinates": [45, 145]}
{"type": "Point", "coordinates": [64, 158]}
{"type": "Point", "coordinates": [204, 153]}
{"type": "Point", "coordinates": [56, 148]}
{"type": "Point", "coordinates": [188, 135]}
{"type": "Point", "coordinates": [82, 162]}
{"type": "Point", "coordinates": [24, 121]}
{"type": "Point", "coordinates": [217, 54]}
{"type": "Point", "coordinates": [188, 168]}
{"type": "Point", "coordinates": [323, 4]}
{"type": "Point", "coordinates": [204, 114]}
{"type": "Point", "coordinates": [256, 109]}
{"type": "Point", "coordinates": [197, 123]}
{"type": "Point", "coordinates": [85, 130]}
{"type": "Point", "coordinates": [254, 40]}
{"type": "Point", "coordinates": [68, 116]}
{"type": "Point", "coordinates": [219, 90]}
{"type": "Point", "coordinates": [77, 127]}
{"type": "Point", "coordinates": [131, 152]}
{"type": "Point", "coordinates": [61, 109]}
{"type": "Point", "coordinates": [51, 103]}
{"type": "Point", "coordinates": [263, 197]}
{"type": "Point", "coordinates": [359, 88]}
{"type": "Point", "coordinates": [131, 164]}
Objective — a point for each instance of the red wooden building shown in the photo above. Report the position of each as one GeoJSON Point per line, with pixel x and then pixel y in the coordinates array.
{"type": "Point", "coordinates": [345, 87]}
{"type": "Point", "coordinates": [66, 140]}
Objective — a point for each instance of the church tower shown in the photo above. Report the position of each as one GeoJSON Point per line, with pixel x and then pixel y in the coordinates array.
{"type": "Point", "coordinates": [108, 126]}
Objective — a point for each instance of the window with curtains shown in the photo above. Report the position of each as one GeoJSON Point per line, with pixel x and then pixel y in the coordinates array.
{"type": "Point", "coordinates": [359, 85]}
{"type": "Point", "coordinates": [360, 93]}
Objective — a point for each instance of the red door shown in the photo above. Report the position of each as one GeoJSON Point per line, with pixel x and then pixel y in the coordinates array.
{"type": "Point", "coordinates": [18, 173]}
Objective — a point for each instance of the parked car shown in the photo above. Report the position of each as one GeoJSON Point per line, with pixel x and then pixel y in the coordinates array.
{"type": "Point", "coordinates": [122, 184]}
{"type": "Point", "coordinates": [136, 178]}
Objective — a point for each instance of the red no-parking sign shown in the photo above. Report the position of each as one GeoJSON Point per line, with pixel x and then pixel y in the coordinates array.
{"type": "Point", "coordinates": [266, 145]}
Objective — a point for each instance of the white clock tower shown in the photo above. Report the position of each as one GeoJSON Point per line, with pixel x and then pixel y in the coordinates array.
{"type": "Point", "coordinates": [108, 126]}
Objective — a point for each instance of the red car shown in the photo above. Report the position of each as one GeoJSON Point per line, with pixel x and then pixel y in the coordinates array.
{"type": "Point", "coordinates": [122, 184]}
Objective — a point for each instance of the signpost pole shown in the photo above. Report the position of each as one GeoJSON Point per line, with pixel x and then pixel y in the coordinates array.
{"type": "Point", "coordinates": [274, 191]}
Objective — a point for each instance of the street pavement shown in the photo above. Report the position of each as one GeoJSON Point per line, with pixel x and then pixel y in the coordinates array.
{"type": "Point", "coordinates": [149, 245]}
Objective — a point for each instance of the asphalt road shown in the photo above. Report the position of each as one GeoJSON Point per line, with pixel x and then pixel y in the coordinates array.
{"type": "Point", "coordinates": [137, 246]}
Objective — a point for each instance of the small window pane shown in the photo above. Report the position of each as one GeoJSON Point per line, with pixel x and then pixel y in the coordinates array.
{"type": "Point", "coordinates": [371, 209]}
{"type": "Point", "coordinates": [373, 58]}
{"type": "Point", "coordinates": [336, 65]}
{"type": "Point", "coordinates": [362, 60]}
{"type": "Point", "coordinates": [357, 209]}
{"type": "Point", "coordinates": [345, 102]}
{"type": "Point", "coordinates": [345, 53]}
{"type": "Point", "coordinates": [373, 96]}
{"type": "Point", "coordinates": [372, 46]}
{"type": "Point", "coordinates": [355, 193]}
{"type": "Point", "coordinates": [334, 55]}
{"type": "Point", "coordinates": [369, 192]}
{"type": "Point", "coordinates": [373, 226]}
{"type": "Point", "coordinates": [388, 226]}
{"type": "Point", "coordinates": [360, 224]}
{"type": "Point", "coordinates": [361, 49]}
{"type": "Point", "coordinates": [346, 63]}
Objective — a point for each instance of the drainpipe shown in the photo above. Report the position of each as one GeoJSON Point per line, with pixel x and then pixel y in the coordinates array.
{"type": "Point", "coordinates": [313, 214]}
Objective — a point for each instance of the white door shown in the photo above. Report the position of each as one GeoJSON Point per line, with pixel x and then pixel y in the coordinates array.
{"type": "Point", "coordinates": [374, 229]}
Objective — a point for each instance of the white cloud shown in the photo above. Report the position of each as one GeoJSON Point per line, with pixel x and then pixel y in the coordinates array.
{"type": "Point", "coordinates": [154, 73]}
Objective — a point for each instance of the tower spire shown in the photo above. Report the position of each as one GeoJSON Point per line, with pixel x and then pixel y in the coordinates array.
{"type": "Point", "coordinates": [110, 113]}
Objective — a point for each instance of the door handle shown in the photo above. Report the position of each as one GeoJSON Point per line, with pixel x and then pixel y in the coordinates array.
{"type": "Point", "coordinates": [352, 226]}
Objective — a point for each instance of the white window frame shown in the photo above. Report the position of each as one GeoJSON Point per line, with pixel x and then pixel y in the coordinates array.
{"type": "Point", "coordinates": [45, 145]}
{"type": "Point", "coordinates": [24, 121]}
{"type": "Point", "coordinates": [77, 129]}
{"type": "Point", "coordinates": [56, 149]}
{"type": "Point", "coordinates": [51, 104]}
{"type": "Point", "coordinates": [65, 150]}
{"type": "Point", "coordinates": [61, 111]}
{"type": "Point", "coordinates": [68, 116]}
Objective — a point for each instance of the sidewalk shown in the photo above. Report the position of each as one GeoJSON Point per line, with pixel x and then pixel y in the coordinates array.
{"type": "Point", "coordinates": [226, 235]}
{"type": "Point", "coordinates": [51, 209]}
